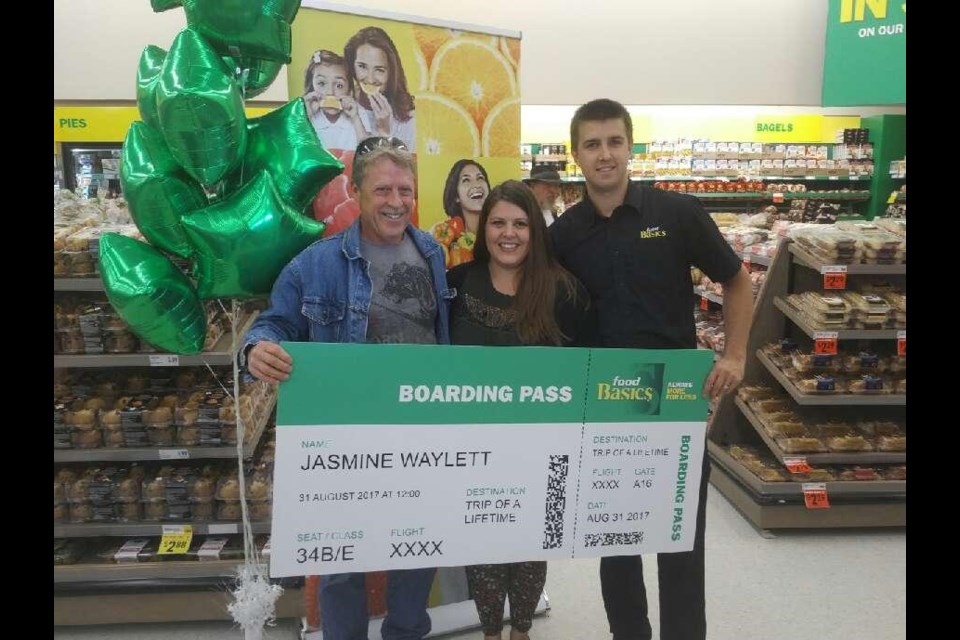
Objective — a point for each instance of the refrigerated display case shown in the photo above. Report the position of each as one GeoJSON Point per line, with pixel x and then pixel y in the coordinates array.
{"type": "Point", "coordinates": [91, 170]}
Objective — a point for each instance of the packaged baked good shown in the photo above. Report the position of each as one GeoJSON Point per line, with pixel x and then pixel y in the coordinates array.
{"type": "Point", "coordinates": [780, 352]}
{"type": "Point", "coordinates": [807, 444]}
{"type": "Point", "coordinates": [68, 551]}
{"type": "Point", "coordinates": [816, 474]}
{"type": "Point", "coordinates": [868, 384]}
{"type": "Point", "coordinates": [71, 341]}
{"type": "Point", "coordinates": [119, 341]}
{"type": "Point", "coordinates": [785, 428]}
{"type": "Point", "coordinates": [197, 510]}
{"type": "Point", "coordinates": [60, 512]}
{"type": "Point", "coordinates": [858, 474]}
{"type": "Point", "coordinates": [894, 472]}
{"type": "Point", "coordinates": [806, 363]}
{"type": "Point", "coordinates": [87, 437]}
{"type": "Point", "coordinates": [820, 384]}
{"type": "Point", "coordinates": [862, 362]}
{"type": "Point", "coordinates": [132, 550]}
{"type": "Point", "coordinates": [772, 405]}
{"type": "Point", "coordinates": [851, 441]}
{"type": "Point", "coordinates": [742, 452]}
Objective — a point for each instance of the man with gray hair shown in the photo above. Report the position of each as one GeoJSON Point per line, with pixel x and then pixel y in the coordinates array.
{"type": "Point", "coordinates": [380, 280]}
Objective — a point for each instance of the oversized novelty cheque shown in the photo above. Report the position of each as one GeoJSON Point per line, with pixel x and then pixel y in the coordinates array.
{"type": "Point", "coordinates": [406, 456]}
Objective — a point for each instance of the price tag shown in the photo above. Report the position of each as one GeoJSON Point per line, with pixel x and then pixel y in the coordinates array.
{"type": "Point", "coordinates": [833, 177]}
{"type": "Point", "coordinates": [174, 454]}
{"type": "Point", "coordinates": [834, 277]}
{"type": "Point", "coordinates": [797, 465]}
{"type": "Point", "coordinates": [165, 361]}
{"type": "Point", "coordinates": [892, 198]}
{"type": "Point", "coordinates": [704, 303]}
{"type": "Point", "coordinates": [815, 495]}
{"type": "Point", "coordinates": [223, 529]}
{"type": "Point", "coordinates": [211, 548]}
{"type": "Point", "coordinates": [778, 198]}
{"type": "Point", "coordinates": [176, 539]}
{"type": "Point", "coordinates": [902, 343]}
{"type": "Point", "coordinates": [130, 550]}
{"type": "Point", "coordinates": [825, 343]}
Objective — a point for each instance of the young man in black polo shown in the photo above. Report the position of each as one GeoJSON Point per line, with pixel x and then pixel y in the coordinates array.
{"type": "Point", "coordinates": [632, 247]}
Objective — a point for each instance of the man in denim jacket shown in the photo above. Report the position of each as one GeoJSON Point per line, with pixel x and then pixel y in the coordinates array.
{"type": "Point", "coordinates": [380, 280]}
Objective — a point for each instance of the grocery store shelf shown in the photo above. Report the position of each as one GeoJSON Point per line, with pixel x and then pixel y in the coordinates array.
{"type": "Point", "coordinates": [97, 529]}
{"type": "Point", "coordinates": [77, 284]}
{"type": "Point", "coordinates": [868, 457]}
{"type": "Point", "coordinates": [779, 514]}
{"type": "Point", "coordinates": [843, 334]}
{"type": "Point", "coordinates": [173, 452]}
{"type": "Point", "coordinates": [734, 178]}
{"type": "Point", "coordinates": [709, 295]}
{"type": "Point", "coordinates": [169, 569]}
{"type": "Point", "coordinates": [794, 490]}
{"type": "Point", "coordinates": [792, 195]}
{"type": "Point", "coordinates": [829, 400]}
{"type": "Point", "coordinates": [221, 354]}
{"type": "Point", "coordinates": [801, 257]}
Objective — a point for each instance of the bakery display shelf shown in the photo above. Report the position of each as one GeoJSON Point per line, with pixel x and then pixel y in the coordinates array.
{"type": "Point", "coordinates": [865, 458]}
{"type": "Point", "coordinates": [709, 295]}
{"type": "Point", "coordinates": [77, 284]}
{"type": "Point", "coordinates": [829, 400]}
{"type": "Point", "coordinates": [843, 334]}
{"type": "Point", "coordinates": [794, 490]}
{"type": "Point", "coordinates": [779, 514]}
{"type": "Point", "coordinates": [804, 258]}
{"type": "Point", "coordinates": [118, 529]}
{"type": "Point", "coordinates": [120, 454]}
{"type": "Point", "coordinates": [792, 195]}
{"type": "Point", "coordinates": [169, 569]}
{"type": "Point", "coordinates": [221, 354]}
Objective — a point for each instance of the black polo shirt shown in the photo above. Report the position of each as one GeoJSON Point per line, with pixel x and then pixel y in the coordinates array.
{"type": "Point", "coordinates": [636, 264]}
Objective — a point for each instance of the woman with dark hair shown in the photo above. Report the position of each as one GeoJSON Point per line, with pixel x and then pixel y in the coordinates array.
{"type": "Point", "coordinates": [515, 293]}
{"type": "Point", "coordinates": [465, 192]}
{"type": "Point", "coordinates": [375, 75]}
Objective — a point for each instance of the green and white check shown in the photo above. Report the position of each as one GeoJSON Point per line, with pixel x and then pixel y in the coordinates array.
{"type": "Point", "coordinates": [406, 456]}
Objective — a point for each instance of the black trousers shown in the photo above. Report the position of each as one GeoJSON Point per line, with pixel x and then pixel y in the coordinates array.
{"type": "Point", "coordinates": [681, 575]}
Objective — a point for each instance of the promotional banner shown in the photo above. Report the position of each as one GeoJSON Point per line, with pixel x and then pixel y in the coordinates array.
{"type": "Point", "coordinates": [450, 95]}
{"type": "Point", "coordinates": [866, 56]}
{"type": "Point", "coordinates": [406, 456]}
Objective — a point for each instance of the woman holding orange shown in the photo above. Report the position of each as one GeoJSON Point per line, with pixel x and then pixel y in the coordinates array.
{"type": "Point", "coordinates": [379, 84]}
{"type": "Point", "coordinates": [464, 193]}
{"type": "Point", "coordinates": [515, 293]}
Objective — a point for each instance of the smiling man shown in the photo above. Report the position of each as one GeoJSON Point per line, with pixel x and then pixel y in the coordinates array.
{"type": "Point", "coordinates": [632, 247]}
{"type": "Point", "coordinates": [380, 280]}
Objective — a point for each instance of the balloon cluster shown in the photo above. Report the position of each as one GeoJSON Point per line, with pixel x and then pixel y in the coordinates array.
{"type": "Point", "coordinates": [206, 184]}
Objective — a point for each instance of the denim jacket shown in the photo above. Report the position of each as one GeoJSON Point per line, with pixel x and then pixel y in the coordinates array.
{"type": "Point", "coordinates": [323, 294]}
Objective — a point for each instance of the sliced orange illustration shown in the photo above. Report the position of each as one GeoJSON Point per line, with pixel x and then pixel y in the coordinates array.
{"type": "Point", "coordinates": [474, 74]}
{"type": "Point", "coordinates": [423, 70]}
{"type": "Point", "coordinates": [501, 130]}
{"type": "Point", "coordinates": [510, 47]}
{"type": "Point", "coordinates": [429, 39]}
{"type": "Point", "coordinates": [443, 126]}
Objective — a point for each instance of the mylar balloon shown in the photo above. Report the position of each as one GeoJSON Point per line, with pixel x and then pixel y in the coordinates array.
{"type": "Point", "coordinates": [255, 74]}
{"type": "Point", "coordinates": [151, 295]}
{"type": "Point", "coordinates": [201, 109]}
{"type": "Point", "coordinates": [258, 28]}
{"type": "Point", "coordinates": [244, 242]}
{"type": "Point", "coordinates": [148, 74]}
{"type": "Point", "coordinates": [163, 5]}
{"type": "Point", "coordinates": [158, 191]}
{"type": "Point", "coordinates": [284, 143]}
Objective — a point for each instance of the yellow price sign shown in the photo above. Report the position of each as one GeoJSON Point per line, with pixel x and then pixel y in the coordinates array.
{"type": "Point", "coordinates": [176, 539]}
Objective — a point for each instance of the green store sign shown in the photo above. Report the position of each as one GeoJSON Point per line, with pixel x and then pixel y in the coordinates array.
{"type": "Point", "coordinates": [866, 55]}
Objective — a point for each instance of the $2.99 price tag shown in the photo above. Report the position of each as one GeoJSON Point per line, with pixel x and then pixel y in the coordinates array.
{"type": "Point", "coordinates": [902, 343]}
{"type": "Point", "coordinates": [176, 539]}
{"type": "Point", "coordinates": [834, 277]}
{"type": "Point", "coordinates": [815, 495]}
{"type": "Point", "coordinates": [825, 343]}
{"type": "Point", "coordinates": [704, 303]}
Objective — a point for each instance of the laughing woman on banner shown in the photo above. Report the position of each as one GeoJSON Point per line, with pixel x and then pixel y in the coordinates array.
{"type": "Point", "coordinates": [375, 75]}
{"type": "Point", "coordinates": [515, 293]}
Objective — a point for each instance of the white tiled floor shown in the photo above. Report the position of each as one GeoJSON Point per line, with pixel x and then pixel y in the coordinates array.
{"type": "Point", "coordinates": [821, 585]}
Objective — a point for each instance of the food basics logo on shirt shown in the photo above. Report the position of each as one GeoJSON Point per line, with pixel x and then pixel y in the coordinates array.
{"type": "Point", "coordinates": [653, 232]}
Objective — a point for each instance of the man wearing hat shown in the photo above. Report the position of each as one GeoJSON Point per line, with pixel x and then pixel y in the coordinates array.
{"type": "Point", "coordinates": [545, 184]}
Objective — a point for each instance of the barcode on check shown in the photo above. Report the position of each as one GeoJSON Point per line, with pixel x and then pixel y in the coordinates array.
{"type": "Point", "coordinates": [558, 468]}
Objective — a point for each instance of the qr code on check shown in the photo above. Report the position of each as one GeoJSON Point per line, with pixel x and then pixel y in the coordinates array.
{"type": "Point", "coordinates": [556, 501]}
{"type": "Point", "coordinates": [610, 539]}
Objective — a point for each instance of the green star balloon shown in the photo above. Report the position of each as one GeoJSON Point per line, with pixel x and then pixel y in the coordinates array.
{"type": "Point", "coordinates": [152, 295]}
{"type": "Point", "coordinates": [258, 28]}
{"type": "Point", "coordinates": [148, 75]}
{"type": "Point", "coordinates": [284, 144]}
{"type": "Point", "coordinates": [255, 74]}
{"type": "Point", "coordinates": [158, 191]}
{"type": "Point", "coordinates": [244, 242]}
{"type": "Point", "coordinates": [200, 110]}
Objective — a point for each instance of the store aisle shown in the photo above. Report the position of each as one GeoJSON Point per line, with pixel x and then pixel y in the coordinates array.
{"type": "Point", "coordinates": [821, 585]}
